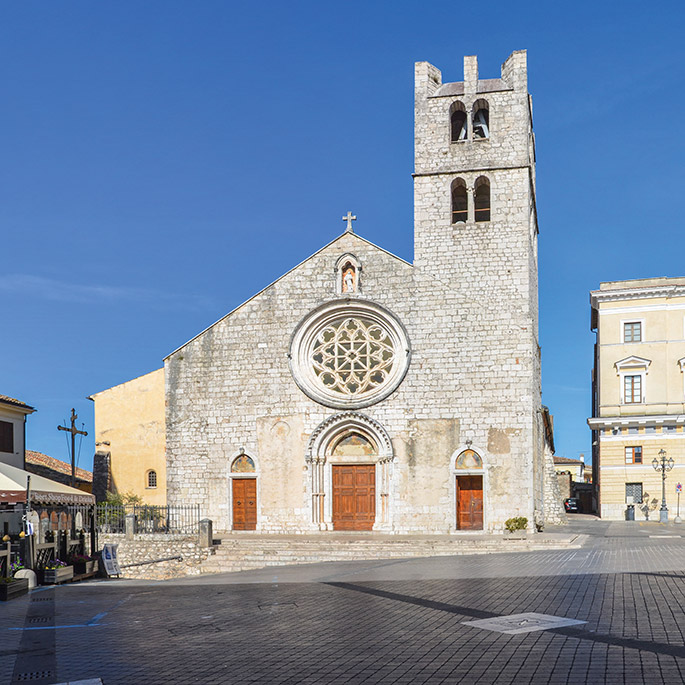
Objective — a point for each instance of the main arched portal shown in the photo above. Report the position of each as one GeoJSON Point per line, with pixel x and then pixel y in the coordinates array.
{"type": "Point", "coordinates": [350, 456]}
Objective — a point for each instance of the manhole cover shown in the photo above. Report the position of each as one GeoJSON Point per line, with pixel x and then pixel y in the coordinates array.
{"type": "Point", "coordinates": [522, 623]}
{"type": "Point", "coordinates": [277, 607]}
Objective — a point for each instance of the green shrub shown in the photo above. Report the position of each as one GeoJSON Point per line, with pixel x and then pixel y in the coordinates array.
{"type": "Point", "coordinates": [516, 523]}
{"type": "Point", "coordinates": [122, 499]}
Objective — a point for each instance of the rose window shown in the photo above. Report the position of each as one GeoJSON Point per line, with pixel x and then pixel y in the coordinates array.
{"type": "Point", "coordinates": [349, 354]}
{"type": "Point", "coordinates": [352, 355]}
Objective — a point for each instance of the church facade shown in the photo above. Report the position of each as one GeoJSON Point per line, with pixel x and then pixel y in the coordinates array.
{"type": "Point", "coordinates": [362, 392]}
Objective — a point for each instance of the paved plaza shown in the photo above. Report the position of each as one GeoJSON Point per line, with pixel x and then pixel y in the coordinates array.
{"type": "Point", "coordinates": [400, 621]}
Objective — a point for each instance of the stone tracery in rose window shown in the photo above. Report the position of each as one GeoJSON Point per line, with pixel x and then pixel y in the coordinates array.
{"type": "Point", "coordinates": [352, 356]}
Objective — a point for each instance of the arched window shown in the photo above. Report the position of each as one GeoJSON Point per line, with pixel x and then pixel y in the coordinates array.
{"type": "Point", "coordinates": [482, 199]}
{"type": "Point", "coordinates": [481, 120]}
{"type": "Point", "coordinates": [152, 479]}
{"type": "Point", "coordinates": [460, 211]}
{"type": "Point", "coordinates": [458, 129]}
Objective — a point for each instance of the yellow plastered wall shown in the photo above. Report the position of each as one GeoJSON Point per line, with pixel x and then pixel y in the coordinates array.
{"type": "Point", "coordinates": [615, 473]}
{"type": "Point", "coordinates": [663, 344]}
{"type": "Point", "coordinates": [130, 417]}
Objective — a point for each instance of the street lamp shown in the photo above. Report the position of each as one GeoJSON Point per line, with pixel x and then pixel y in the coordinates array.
{"type": "Point", "coordinates": [661, 464]}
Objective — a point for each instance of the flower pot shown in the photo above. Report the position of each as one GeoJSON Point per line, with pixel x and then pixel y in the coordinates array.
{"type": "Point", "coordinates": [53, 576]}
{"type": "Point", "coordinates": [85, 567]}
{"type": "Point", "coordinates": [515, 534]}
{"type": "Point", "coordinates": [16, 588]}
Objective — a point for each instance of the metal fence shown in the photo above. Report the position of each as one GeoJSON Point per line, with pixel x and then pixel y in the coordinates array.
{"type": "Point", "coordinates": [183, 519]}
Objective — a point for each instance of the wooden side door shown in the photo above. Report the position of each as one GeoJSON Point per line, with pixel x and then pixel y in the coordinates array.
{"type": "Point", "coordinates": [470, 502]}
{"type": "Point", "coordinates": [354, 497]}
{"type": "Point", "coordinates": [244, 503]}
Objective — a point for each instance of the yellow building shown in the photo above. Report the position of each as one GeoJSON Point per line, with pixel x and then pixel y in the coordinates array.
{"type": "Point", "coordinates": [130, 439]}
{"type": "Point", "coordinates": [638, 394]}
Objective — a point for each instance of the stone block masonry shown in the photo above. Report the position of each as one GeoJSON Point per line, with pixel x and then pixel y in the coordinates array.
{"type": "Point", "coordinates": [148, 548]}
{"type": "Point", "coordinates": [469, 308]}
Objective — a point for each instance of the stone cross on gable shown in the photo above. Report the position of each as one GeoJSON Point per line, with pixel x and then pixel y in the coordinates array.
{"type": "Point", "coordinates": [349, 218]}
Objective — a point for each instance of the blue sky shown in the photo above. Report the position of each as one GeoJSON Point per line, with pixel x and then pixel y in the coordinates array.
{"type": "Point", "coordinates": [162, 161]}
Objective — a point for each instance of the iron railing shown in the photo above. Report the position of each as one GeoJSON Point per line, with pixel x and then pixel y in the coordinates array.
{"type": "Point", "coordinates": [178, 519]}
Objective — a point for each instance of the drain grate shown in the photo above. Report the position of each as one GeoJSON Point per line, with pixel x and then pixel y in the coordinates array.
{"type": "Point", "coordinates": [34, 675]}
{"type": "Point", "coordinates": [42, 599]}
{"type": "Point", "coordinates": [39, 619]}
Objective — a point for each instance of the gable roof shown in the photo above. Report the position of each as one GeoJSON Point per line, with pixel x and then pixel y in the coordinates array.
{"type": "Point", "coordinates": [304, 261]}
{"type": "Point", "coordinates": [5, 399]}
{"type": "Point", "coordinates": [56, 465]}
{"type": "Point", "coordinates": [566, 460]}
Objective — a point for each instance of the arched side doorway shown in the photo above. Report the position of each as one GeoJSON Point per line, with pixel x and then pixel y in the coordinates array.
{"type": "Point", "coordinates": [469, 487]}
{"type": "Point", "coordinates": [243, 493]}
{"type": "Point", "coordinates": [350, 457]}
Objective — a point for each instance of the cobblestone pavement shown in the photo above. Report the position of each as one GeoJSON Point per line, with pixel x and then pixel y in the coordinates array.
{"type": "Point", "coordinates": [399, 621]}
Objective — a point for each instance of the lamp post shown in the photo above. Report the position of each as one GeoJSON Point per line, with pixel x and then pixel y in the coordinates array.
{"type": "Point", "coordinates": [661, 464]}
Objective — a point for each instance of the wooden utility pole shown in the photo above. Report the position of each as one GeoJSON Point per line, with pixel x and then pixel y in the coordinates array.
{"type": "Point", "coordinates": [74, 432]}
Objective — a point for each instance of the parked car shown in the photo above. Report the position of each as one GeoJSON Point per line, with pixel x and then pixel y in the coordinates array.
{"type": "Point", "coordinates": [572, 505]}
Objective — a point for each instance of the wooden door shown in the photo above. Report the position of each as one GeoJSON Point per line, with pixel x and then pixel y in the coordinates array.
{"type": "Point", "coordinates": [470, 502]}
{"type": "Point", "coordinates": [244, 503]}
{"type": "Point", "coordinates": [354, 497]}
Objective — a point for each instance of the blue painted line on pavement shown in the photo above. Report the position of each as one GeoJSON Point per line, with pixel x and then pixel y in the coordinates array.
{"type": "Point", "coordinates": [76, 625]}
{"type": "Point", "coordinates": [96, 618]}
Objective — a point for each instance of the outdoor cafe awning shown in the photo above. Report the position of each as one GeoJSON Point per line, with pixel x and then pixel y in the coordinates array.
{"type": "Point", "coordinates": [43, 490]}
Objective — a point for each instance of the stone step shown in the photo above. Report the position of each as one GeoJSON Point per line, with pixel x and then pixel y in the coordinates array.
{"type": "Point", "coordinates": [247, 552]}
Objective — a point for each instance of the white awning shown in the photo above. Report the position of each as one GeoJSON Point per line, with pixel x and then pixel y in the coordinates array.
{"type": "Point", "coordinates": [13, 483]}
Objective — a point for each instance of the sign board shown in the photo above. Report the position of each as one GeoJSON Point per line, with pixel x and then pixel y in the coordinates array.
{"type": "Point", "coordinates": [32, 522]}
{"type": "Point", "coordinates": [109, 559]}
{"type": "Point", "coordinates": [679, 488]}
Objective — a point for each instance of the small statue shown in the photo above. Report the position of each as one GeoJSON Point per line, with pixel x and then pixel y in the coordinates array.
{"type": "Point", "coordinates": [348, 281]}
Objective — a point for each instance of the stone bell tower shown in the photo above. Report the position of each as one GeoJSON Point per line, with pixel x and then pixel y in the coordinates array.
{"type": "Point", "coordinates": [476, 271]}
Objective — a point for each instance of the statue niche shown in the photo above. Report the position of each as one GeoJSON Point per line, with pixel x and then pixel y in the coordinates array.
{"type": "Point", "coordinates": [349, 278]}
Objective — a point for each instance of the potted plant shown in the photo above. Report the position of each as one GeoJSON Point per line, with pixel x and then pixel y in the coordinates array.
{"type": "Point", "coordinates": [83, 564]}
{"type": "Point", "coordinates": [57, 571]}
{"type": "Point", "coordinates": [13, 587]}
{"type": "Point", "coordinates": [516, 528]}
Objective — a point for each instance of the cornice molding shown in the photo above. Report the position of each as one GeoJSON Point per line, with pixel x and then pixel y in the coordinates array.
{"type": "Point", "coordinates": [598, 297]}
{"type": "Point", "coordinates": [632, 362]}
{"type": "Point", "coordinates": [599, 422]}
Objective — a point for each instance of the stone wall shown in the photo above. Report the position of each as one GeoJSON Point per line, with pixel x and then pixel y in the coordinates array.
{"type": "Point", "coordinates": [147, 547]}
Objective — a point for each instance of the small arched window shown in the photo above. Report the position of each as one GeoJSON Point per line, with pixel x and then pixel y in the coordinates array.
{"type": "Point", "coordinates": [460, 207]}
{"type": "Point", "coordinates": [482, 199]}
{"type": "Point", "coordinates": [152, 479]}
{"type": "Point", "coordinates": [458, 129]}
{"type": "Point", "coordinates": [481, 119]}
